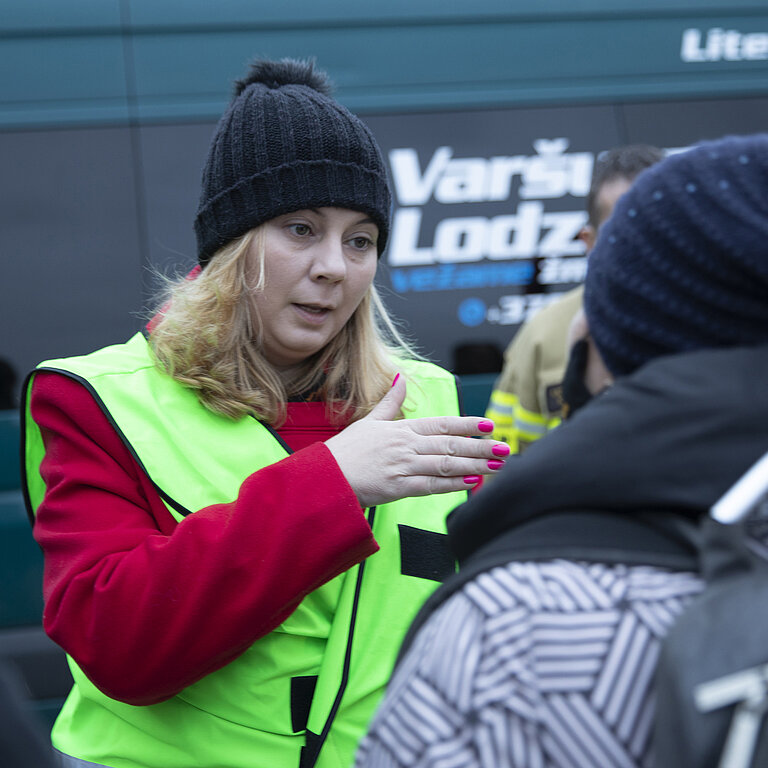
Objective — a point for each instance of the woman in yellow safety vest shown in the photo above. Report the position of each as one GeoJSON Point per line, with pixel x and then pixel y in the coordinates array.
{"type": "Point", "coordinates": [242, 509]}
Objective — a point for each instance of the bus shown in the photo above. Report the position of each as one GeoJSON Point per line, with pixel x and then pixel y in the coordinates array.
{"type": "Point", "coordinates": [490, 115]}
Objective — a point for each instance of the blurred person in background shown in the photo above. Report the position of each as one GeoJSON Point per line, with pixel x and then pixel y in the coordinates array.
{"type": "Point", "coordinates": [208, 498]}
{"type": "Point", "coordinates": [542, 650]}
{"type": "Point", "coordinates": [526, 401]}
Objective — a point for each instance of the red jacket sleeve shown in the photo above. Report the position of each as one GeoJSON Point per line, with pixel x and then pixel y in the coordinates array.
{"type": "Point", "coordinates": [147, 606]}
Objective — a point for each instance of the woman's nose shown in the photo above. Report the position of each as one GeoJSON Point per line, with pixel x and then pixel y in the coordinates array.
{"type": "Point", "coordinates": [329, 262]}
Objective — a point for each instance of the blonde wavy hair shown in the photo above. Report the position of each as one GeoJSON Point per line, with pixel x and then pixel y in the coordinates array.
{"type": "Point", "coordinates": [207, 337]}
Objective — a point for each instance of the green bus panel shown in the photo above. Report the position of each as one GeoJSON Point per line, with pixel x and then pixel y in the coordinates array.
{"type": "Point", "coordinates": [62, 79]}
{"type": "Point", "coordinates": [45, 17]}
{"type": "Point", "coordinates": [174, 60]}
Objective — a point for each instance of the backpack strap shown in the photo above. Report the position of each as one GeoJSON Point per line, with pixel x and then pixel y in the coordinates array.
{"type": "Point", "coordinates": [666, 540]}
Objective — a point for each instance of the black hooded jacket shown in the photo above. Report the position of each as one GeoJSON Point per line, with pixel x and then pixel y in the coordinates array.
{"type": "Point", "coordinates": [628, 477]}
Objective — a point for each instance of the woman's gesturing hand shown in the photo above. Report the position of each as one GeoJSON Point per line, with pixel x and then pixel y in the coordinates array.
{"type": "Point", "coordinates": [384, 460]}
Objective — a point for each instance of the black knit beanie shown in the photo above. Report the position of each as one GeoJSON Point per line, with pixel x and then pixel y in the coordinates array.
{"type": "Point", "coordinates": [682, 264]}
{"type": "Point", "coordinates": [284, 144]}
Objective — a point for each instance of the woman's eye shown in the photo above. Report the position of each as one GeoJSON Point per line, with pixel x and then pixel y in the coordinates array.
{"type": "Point", "coordinates": [302, 230]}
{"type": "Point", "coordinates": [361, 243]}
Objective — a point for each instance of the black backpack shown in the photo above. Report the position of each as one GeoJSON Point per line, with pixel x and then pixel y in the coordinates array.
{"type": "Point", "coordinates": [712, 676]}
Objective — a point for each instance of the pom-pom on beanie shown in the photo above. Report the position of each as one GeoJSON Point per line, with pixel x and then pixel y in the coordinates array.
{"type": "Point", "coordinates": [284, 144]}
{"type": "Point", "coordinates": [682, 264]}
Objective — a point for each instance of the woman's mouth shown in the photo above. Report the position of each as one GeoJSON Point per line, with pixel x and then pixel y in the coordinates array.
{"type": "Point", "coordinates": [312, 312]}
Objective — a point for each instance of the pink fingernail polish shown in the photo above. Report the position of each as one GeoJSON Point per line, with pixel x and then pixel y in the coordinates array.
{"type": "Point", "coordinates": [485, 426]}
{"type": "Point", "coordinates": [495, 463]}
{"type": "Point", "coordinates": [500, 450]}
{"type": "Point", "coordinates": [472, 479]}
{"type": "Point", "coordinates": [395, 379]}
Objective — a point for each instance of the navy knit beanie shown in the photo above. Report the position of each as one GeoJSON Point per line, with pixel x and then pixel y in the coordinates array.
{"type": "Point", "coordinates": [284, 144]}
{"type": "Point", "coordinates": [682, 264]}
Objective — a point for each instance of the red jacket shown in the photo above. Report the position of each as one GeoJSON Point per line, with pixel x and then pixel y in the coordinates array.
{"type": "Point", "coordinates": [147, 606]}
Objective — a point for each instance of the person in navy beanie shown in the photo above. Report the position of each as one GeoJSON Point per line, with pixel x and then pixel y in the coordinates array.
{"type": "Point", "coordinates": [683, 262]}
{"type": "Point", "coordinates": [544, 648]}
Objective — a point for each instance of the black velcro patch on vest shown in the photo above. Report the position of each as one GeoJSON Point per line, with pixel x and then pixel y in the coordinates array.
{"type": "Point", "coordinates": [555, 399]}
{"type": "Point", "coordinates": [302, 690]}
{"type": "Point", "coordinates": [309, 753]}
{"type": "Point", "coordinates": [425, 554]}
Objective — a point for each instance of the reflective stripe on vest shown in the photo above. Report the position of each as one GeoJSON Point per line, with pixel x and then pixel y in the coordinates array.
{"type": "Point", "coordinates": [332, 671]}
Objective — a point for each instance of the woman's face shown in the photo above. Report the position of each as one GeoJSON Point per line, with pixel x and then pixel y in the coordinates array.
{"type": "Point", "coordinates": [318, 265]}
